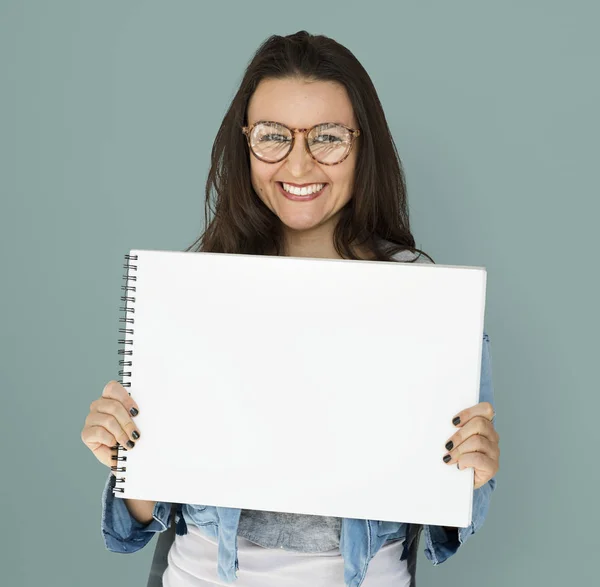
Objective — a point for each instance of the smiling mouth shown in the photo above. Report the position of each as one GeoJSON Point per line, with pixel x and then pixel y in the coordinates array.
{"type": "Point", "coordinates": [297, 198]}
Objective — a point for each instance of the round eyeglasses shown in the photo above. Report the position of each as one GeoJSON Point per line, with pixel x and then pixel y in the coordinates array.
{"type": "Point", "coordinates": [328, 143]}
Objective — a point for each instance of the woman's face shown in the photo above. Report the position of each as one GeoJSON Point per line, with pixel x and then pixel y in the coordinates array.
{"type": "Point", "coordinates": [301, 104]}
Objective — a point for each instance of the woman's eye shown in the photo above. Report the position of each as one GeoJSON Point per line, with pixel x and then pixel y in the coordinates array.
{"type": "Point", "coordinates": [327, 139]}
{"type": "Point", "coordinates": [273, 137]}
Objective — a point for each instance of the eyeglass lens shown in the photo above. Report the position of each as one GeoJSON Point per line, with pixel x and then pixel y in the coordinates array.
{"type": "Point", "coordinates": [328, 143]}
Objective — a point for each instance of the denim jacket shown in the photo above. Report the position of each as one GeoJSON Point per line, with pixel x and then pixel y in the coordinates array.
{"type": "Point", "coordinates": [359, 539]}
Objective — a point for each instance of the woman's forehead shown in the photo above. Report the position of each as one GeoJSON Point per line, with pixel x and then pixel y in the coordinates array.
{"type": "Point", "coordinates": [299, 104]}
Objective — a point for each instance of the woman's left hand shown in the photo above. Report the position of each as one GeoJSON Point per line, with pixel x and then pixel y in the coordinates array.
{"type": "Point", "coordinates": [476, 443]}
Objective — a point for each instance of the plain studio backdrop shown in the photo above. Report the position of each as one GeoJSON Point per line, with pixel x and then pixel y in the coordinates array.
{"type": "Point", "coordinates": [108, 111]}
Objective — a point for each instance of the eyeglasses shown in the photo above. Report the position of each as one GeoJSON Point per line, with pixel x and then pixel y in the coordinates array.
{"type": "Point", "coordinates": [328, 143]}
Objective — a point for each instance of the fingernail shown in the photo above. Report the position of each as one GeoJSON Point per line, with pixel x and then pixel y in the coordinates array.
{"type": "Point", "coordinates": [447, 458]}
{"type": "Point", "coordinates": [133, 412]}
{"type": "Point", "coordinates": [130, 444]}
{"type": "Point", "coordinates": [135, 434]}
{"type": "Point", "coordinates": [449, 445]}
{"type": "Point", "coordinates": [456, 421]}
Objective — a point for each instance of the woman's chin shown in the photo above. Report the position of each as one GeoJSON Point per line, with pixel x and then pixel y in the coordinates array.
{"type": "Point", "coordinates": [302, 216]}
{"type": "Point", "coordinates": [300, 223]}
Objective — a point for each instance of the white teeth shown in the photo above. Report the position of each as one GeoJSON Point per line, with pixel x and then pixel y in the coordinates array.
{"type": "Point", "coordinates": [311, 189]}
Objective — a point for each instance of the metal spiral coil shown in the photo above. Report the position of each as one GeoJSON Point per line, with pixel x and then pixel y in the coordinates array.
{"type": "Point", "coordinates": [126, 342]}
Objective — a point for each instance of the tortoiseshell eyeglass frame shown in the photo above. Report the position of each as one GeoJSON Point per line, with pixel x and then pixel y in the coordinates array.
{"type": "Point", "coordinates": [353, 133]}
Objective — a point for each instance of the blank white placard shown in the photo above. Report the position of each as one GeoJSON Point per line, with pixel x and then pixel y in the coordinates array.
{"type": "Point", "coordinates": [301, 385]}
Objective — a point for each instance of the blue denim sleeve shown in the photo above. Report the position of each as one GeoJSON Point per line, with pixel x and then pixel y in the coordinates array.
{"type": "Point", "coordinates": [120, 530]}
{"type": "Point", "coordinates": [441, 544]}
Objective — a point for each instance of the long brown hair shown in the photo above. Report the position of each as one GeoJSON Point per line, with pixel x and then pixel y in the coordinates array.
{"type": "Point", "coordinates": [375, 218]}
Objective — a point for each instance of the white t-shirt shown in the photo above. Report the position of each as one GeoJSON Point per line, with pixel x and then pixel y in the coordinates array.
{"type": "Point", "coordinates": [193, 563]}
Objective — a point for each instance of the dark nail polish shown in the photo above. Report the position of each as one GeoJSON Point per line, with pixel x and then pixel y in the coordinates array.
{"type": "Point", "coordinates": [130, 444]}
{"type": "Point", "coordinates": [133, 412]}
{"type": "Point", "coordinates": [449, 445]}
{"type": "Point", "coordinates": [135, 434]}
{"type": "Point", "coordinates": [456, 421]}
{"type": "Point", "coordinates": [447, 458]}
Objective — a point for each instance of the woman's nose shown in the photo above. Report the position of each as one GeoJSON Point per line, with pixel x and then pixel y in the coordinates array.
{"type": "Point", "coordinates": [298, 157]}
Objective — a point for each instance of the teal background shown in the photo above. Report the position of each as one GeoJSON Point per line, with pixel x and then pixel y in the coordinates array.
{"type": "Point", "coordinates": [108, 111]}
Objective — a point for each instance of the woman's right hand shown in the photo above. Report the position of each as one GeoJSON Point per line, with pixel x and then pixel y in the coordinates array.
{"type": "Point", "coordinates": [110, 422]}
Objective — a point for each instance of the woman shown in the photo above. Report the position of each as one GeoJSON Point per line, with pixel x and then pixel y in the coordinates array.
{"type": "Point", "coordinates": [303, 165]}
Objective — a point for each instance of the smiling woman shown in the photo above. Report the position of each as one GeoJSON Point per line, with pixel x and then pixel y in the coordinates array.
{"type": "Point", "coordinates": [303, 165]}
{"type": "Point", "coordinates": [306, 113]}
{"type": "Point", "coordinates": [308, 220]}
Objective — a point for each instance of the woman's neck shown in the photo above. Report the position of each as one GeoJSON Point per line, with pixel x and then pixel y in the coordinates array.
{"type": "Point", "coordinates": [321, 250]}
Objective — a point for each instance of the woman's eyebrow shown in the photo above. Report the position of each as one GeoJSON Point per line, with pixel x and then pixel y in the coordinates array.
{"type": "Point", "coordinates": [290, 126]}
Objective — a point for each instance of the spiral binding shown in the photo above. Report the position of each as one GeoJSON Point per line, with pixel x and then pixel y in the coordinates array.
{"type": "Point", "coordinates": [128, 309]}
